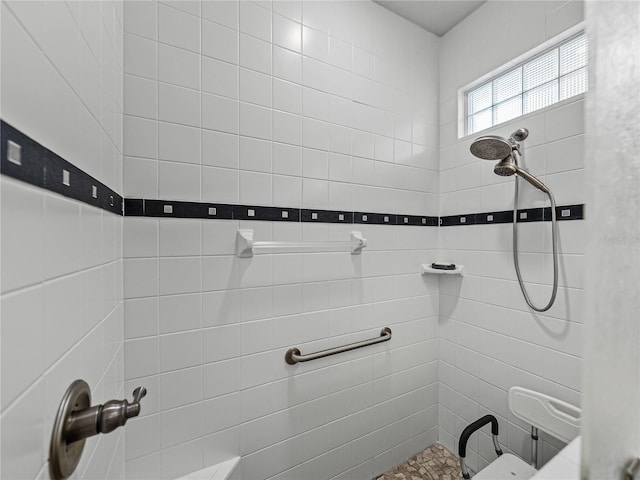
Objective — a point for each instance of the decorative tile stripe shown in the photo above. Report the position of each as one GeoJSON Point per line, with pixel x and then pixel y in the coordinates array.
{"type": "Point", "coordinates": [564, 212]}
{"type": "Point", "coordinates": [417, 220]}
{"type": "Point", "coordinates": [374, 218]}
{"type": "Point", "coordinates": [393, 219]}
{"type": "Point", "coordinates": [25, 159]}
{"type": "Point", "coordinates": [175, 209]}
{"type": "Point", "coordinates": [273, 214]}
{"type": "Point", "coordinates": [179, 209]}
{"type": "Point", "coordinates": [325, 216]}
{"type": "Point", "coordinates": [494, 217]}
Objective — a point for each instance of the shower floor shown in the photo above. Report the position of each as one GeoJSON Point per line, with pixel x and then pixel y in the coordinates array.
{"type": "Point", "coordinates": [434, 463]}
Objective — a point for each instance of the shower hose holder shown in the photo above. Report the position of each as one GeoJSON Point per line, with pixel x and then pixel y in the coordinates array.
{"type": "Point", "coordinates": [77, 420]}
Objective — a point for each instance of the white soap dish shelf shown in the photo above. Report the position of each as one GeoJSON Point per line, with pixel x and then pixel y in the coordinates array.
{"type": "Point", "coordinates": [427, 268]}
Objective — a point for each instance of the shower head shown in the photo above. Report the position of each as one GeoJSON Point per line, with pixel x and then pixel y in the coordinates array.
{"type": "Point", "coordinates": [507, 167]}
{"type": "Point", "coordinates": [491, 147]}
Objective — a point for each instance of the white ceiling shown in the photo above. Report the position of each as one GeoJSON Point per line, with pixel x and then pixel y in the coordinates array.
{"type": "Point", "coordinates": [436, 16]}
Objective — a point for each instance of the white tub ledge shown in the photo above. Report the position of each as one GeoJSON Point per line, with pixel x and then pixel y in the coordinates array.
{"type": "Point", "coordinates": [220, 471]}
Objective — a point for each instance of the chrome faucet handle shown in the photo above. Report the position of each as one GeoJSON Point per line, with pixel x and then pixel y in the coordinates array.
{"type": "Point", "coordinates": [139, 393]}
{"type": "Point", "coordinates": [115, 413]}
{"type": "Point", "coordinates": [78, 420]}
{"type": "Point", "coordinates": [133, 409]}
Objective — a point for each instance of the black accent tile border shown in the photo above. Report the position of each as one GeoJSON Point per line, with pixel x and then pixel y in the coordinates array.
{"type": "Point", "coordinates": [168, 208]}
{"type": "Point", "coordinates": [394, 219]}
{"type": "Point", "coordinates": [155, 208]}
{"type": "Point", "coordinates": [32, 163]}
{"type": "Point", "coordinates": [325, 216]}
{"type": "Point", "coordinates": [564, 212]}
{"type": "Point", "coordinates": [374, 218]}
{"type": "Point", "coordinates": [24, 159]}
{"type": "Point", "coordinates": [179, 209]}
{"type": "Point", "coordinates": [494, 217]}
{"type": "Point", "coordinates": [138, 207]}
{"type": "Point", "coordinates": [134, 207]}
{"type": "Point", "coordinates": [272, 214]}
{"type": "Point", "coordinates": [416, 220]}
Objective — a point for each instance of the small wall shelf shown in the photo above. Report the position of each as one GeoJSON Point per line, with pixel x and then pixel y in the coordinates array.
{"type": "Point", "coordinates": [246, 246]}
{"type": "Point", "coordinates": [427, 268]}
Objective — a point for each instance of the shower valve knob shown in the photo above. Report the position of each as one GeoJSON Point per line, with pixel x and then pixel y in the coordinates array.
{"type": "Point", "coordinates": [138, 394]}
{"type": "Point", "coordinates": [115, 413]}
{"type": "Point", "coordinates": [77, 420]}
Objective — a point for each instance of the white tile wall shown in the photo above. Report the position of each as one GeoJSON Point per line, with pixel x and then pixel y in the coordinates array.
{"type": "Point", "coordinates": [244, 86]}
{"type": "Point", "coordinates": [287, 118]}
{"type": "Point", "coordinates": [61, 302]}
{"type": "Point", "coordinates": [294, 104]}
{"type": "Point", "coordinates": [225, 342]}
{"type": "Point", "coordinates": [489, 339]}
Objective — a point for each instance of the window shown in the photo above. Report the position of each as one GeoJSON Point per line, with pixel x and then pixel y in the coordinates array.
{"type": "Point", "coordinates": [552, 76]}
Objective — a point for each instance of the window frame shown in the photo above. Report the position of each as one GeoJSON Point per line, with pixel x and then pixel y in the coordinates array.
{"type": "Point", "coordinates": [518, 63]}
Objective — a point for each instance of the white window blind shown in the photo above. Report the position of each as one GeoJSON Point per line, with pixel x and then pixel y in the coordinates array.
{"type": "Point", "coordinates": [547, 78]}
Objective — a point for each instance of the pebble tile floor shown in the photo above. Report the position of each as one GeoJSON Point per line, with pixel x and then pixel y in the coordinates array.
{"type": "Point", "coordinates": [434, 463]}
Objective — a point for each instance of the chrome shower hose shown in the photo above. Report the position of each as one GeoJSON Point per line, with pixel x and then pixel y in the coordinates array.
{"type": "Point", "coordinates": [554, 229]}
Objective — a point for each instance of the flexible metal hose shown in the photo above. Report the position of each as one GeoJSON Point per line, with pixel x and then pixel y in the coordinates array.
{"type": "Point", "coordinates": [554, 228]}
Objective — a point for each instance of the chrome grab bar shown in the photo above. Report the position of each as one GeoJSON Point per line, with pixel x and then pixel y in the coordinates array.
{"type": "Point", "coordinates": [294, 356]}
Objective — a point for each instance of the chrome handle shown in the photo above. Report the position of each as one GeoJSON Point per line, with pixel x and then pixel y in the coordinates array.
{"type": "Point", "coordinates": [115, 413]}
{"type": "Point", "coordinates": [77, 420]}
{"type": "Point", "coordinates": [103, 418]}
{"type": "Point", "coordinates": [133, 409]}
{"type": "Point", "coordinates": [138, 394]}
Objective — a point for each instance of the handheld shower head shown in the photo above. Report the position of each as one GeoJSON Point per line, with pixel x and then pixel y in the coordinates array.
{"type": "Point", "coordinates": [506, 167]}
{"type": "Point", "coordinates": [492, 147]}
{"type": "Point", "coordinates": [506, 151]}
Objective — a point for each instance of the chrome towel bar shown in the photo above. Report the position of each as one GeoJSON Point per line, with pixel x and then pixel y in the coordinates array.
{"type": "Point", "coordinates": [294, 356]}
